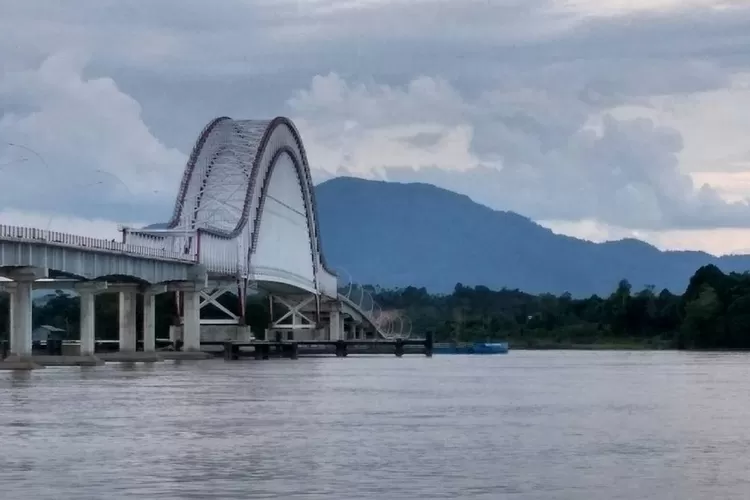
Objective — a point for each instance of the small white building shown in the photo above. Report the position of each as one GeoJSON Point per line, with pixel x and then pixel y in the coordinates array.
{"type": "Point", "coordinates": [44, 332]}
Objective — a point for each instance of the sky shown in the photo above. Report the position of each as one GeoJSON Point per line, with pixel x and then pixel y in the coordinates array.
{"type": "Point", "coordinates": [601, 119]}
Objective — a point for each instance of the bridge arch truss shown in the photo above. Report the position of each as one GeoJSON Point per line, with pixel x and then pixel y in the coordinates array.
{"type": "Point", "coordinates": [246, 210]}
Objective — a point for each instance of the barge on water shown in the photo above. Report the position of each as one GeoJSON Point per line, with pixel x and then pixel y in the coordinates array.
{"type": "Point", "coordinates": [472, 348]}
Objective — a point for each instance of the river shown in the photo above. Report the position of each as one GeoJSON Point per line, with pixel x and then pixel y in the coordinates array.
{"type": "Point", "coordinates": [529, 425]}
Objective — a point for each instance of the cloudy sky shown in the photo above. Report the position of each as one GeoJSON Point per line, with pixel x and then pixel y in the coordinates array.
{"type": "Point", "coordinates": [598, 118]}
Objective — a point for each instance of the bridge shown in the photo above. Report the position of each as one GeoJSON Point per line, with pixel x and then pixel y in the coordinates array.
{"type": "Point", "coordinates": [244, 221]}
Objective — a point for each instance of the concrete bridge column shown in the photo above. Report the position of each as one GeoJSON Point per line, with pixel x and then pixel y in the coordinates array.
{"type": "Point", "coordinates": [334, 325]}
{"type": "Point", "coordinates": [21, 308]}
{"type": "Point", "coordinates": [149, 322]}
{"type": "Point", "coordinates": [127, 320]}
{"type": "Point", "coordinates": [191, 327]}
{"type": "Point", "coordinates": [88, 322]}
{"type": "Point", "coordinates": [87, 293]}
{"type": "Point", "coordinates": [149, 316]}
{"type": "Point", "coordinates": [9, 288]}
{"type": "Point", "coordinates": [20, 335]}
{"type": "Point", "coordinates": [11, 291]}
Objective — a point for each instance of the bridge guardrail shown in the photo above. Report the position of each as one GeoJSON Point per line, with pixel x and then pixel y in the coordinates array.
{"type": "Point", "coordinates": [56, 238]}
{"type": "Point", "coordinates": [389, 324]}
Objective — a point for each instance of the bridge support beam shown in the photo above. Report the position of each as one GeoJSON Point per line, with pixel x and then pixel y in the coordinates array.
{"type": "Point", "coordinates": [297, 322]}
{"type": "Point", "coordinates": [127, 319]}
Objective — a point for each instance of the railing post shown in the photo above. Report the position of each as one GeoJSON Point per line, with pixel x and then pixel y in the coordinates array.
{"type": "Point", "coordinates": [399, 349]}
{"type": "Point", "coordinates": [428, 344]}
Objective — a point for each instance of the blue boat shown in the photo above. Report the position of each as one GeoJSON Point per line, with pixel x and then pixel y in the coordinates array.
{"type": "Point", "coordinates": [473, 348]}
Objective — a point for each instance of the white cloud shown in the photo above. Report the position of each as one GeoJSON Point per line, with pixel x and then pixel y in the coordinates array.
{"type": "Point", "coordinates": [545, 155]}
{"type": "Point", "coordinates": [366, 129]}
{"type": "Point", "coordinates": [722, 241]}
{"type": "Point", "coordinates": [620, 7]}
{"type": "Point", "coordinates": [83, 141]}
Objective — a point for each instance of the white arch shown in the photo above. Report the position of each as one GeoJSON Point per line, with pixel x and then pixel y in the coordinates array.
{"type": "Point", "coordinates": [234, 169]}
{"type": "Point", "coordinates": [224, 191]}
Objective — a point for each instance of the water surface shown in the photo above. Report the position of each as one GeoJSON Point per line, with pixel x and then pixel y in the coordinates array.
{"type": "Point", "coordinates": [529, 425]}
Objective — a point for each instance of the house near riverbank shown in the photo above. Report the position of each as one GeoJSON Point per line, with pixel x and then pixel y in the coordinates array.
{"type": "Point", "coordinates": [42, 333]}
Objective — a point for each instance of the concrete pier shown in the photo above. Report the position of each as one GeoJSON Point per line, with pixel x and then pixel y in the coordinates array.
{"type": "Point", "coordinates": [20, 337]}
{"type": "Point", "coordinates": [149, 322]}
{"type": "Point", "coordinates": [127, 321]}
{"type": "Point", "coordinates": [20, 326]}
{"type": "Point", "coordinates": [335, 326]}
{"type": "Point", "coordinates": [88, 322]}
{"type": "Point", "coordinates": [191, 328]}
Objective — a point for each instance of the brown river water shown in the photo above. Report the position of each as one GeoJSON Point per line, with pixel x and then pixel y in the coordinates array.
{"type": "Point", "coordinates": [527, 425]}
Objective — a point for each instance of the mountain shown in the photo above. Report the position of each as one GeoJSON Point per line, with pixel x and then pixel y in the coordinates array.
{"type": "Point", "coordinates": [396, 235]}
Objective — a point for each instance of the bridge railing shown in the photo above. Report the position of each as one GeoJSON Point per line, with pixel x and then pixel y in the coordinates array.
{"type": "Point", "coordinates": [221, 255]}
{"type": "Point", "coordinates": [168, 242]}
{"type": "Point", "coordinates": [57, 238]}
{"type": "Point", "coordinates": [390, 324]}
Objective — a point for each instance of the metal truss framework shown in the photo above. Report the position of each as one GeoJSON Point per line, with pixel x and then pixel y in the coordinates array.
{"type": "Point", "coordinates": [210, 297]}
{"type": "Point", "coordinates": [226, 180]}
{"type": "Point", "coordinates": [294, 318]}
{"type": "Point", "coordinates": [221, 200]}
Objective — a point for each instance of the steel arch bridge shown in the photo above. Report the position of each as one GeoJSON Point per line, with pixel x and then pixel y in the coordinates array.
{"type": "Point", "coordinates": [246, 212]}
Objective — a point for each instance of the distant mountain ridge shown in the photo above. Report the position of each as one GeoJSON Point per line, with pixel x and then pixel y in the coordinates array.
{"type": "Point", "coordinates": [396, 235]}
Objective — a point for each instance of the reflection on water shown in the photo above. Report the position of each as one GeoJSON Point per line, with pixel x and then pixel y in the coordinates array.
{"type": "Point", "coordinates": [530, 425]}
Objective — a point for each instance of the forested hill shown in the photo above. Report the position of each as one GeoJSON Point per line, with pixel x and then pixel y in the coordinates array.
{"type": "Point", "coordinates": [398, 235]}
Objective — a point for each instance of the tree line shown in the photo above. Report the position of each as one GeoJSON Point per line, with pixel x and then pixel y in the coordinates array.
{"type": "Point", "coordinates": [712, 313]}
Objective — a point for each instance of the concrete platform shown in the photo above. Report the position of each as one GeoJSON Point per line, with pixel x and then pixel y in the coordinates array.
{"type": "Point", "coordinates": [19, 363]}
{"type": "Point", "coordinates": [68, 360]}
{"type": "Point", "coordinates": [187, 355]}
{"type": "Point", "coordinates": [136, 357]}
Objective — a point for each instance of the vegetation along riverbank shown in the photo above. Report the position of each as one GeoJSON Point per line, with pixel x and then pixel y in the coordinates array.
{"type": "Point", "coordinates": [713, 312]}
